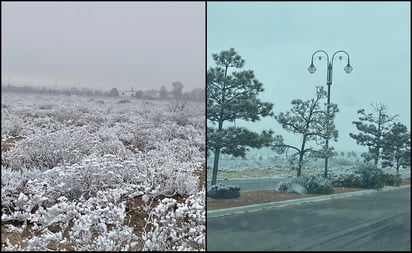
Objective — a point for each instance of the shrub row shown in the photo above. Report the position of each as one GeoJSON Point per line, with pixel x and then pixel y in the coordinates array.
{"type": "Point", "coordinates": [312, 185]}
{"type": "Point", "coordinates": [221, 191]}
{"type": "Point", "coordinates": [366, 176]}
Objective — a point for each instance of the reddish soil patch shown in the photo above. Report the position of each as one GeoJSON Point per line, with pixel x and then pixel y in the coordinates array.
{"type": "Point", "coordinates": [259, 197]}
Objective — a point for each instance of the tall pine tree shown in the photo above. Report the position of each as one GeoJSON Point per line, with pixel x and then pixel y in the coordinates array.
{"type": "Point", "coordinates": [232, 96]}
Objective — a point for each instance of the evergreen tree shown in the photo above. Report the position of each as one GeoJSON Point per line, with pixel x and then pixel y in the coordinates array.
{"type": "Point", "coordinates": [232, 96]}
{"type": "Point", "coordinates": [397, 147]}
{"type": "Point", "coordinates": [309, 120]}
{"type": "Point", "coordinates": [373, 128]}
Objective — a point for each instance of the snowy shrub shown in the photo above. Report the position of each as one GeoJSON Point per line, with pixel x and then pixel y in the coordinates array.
{"type": "Point", "coordinates": [391, 180]}
{"type": "Point", "coordinates": [283, 186]}
{"type": "Point", "coordinates": [291, 187]}
{"type": "Point", "coordinates": [100, 226]}
{"type": "Point", "coordinates": [310, 184]}
{"type": "Point", "coordinates": [372, 177]}
{"type": "Point", "coordinates": [166, 175]}
{"type": "Point", "coordinates": [67, 145]}
{"type": "Point", "coordinates": [177, 226]}
{"type": "Point", "coordinates": [109, 143]}
{"type": "Point", "coordinates": [352, 180]}
{"type": "Point", "coordinates": [317, 185]}
{"type": "Point", "coordinates": [96, 224]}
{"type": "Point", "coordinates": [85, 180]}
{"type": "Point", "coordinates": [12, 126]}
{"type": "Point", "coordinates": [83, 109]}
{"type": "Point", "coordinates": [221, 191]}
{"type": "Point", "coordinates": [181, 119]}
{"type": "Point", "coordinates": [14, 182]}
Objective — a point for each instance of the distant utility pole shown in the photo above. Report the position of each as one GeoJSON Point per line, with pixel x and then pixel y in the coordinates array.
{"type": "Point", "coordinates": [56, 82]}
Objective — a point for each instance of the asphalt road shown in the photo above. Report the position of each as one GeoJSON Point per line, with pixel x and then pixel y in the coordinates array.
{"type": "Point", "coordinates": [376, 221]}
{"type": "Point", "coordinates": [253, 184]}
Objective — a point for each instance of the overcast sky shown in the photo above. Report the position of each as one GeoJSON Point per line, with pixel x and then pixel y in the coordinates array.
{"type": "Point", "coordinates": [103, 44]}
{"type": "Point", "coordinates": [277, 40]}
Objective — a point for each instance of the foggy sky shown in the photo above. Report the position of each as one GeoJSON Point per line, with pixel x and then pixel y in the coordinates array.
{"type": "Point", "coordinates": [277, 40]}
{"type": "Point", "coordinates": [102, 45]}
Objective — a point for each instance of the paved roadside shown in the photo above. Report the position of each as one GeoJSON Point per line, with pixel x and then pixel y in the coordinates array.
{"type": "Point", "coordinates": [378, 221]}
{"type": "Point", "coordinates": [260, 207]}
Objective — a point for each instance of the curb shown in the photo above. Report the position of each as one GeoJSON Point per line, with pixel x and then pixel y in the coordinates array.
{"type": "Point", "coordinates": [260, 207]}
{"type": "Point", "coordinates": [257, 178]}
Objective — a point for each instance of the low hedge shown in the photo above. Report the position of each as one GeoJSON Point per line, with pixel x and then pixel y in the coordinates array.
{"type": "Point", "coordinates": [366, 176]}
{"type": "Point", "coordinates": [222, 191]}
{"type": "Point", "coordinates": [312, 184]}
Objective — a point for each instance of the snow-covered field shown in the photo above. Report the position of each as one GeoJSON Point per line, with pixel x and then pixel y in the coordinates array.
{"type": "Point", "coordinates": [265, 163]}
{"type": "Point", "coordinates": [89, 173]}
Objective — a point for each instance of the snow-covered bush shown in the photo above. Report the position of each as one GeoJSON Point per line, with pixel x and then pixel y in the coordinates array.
{"type": "Point", "coordinates": [312, 185]}
{"type": "Point", "coordinates": [352, 180]}
{"type": "Point", "coordinates": [290, 187]}
{"type": "Point", "coordinates": [66, 146]}
{"type": "Point", "coordinates": [364, 176]}
{"type": "Point", "coordinates": [317, 185]}
{"type": "Point", "coordinates": [181, 119]}
{"type": "Point", "coordinates": [391, 180]}
{"type": "Point", "coordinates": [96, 224]}
{"type": "Point", "coordinates": [177, 226]}
{"type": "Point", "coordinates": [14, 182]}
{"type": "Point", "coordinates": [221, 191]}
{"type": "Point", "coordinates": [283, 186]}
{"type": "Point", "coordinates": [372, 176]}
{"type": "Point", "coordinates": [109, 143]}
{"type": "Point", "coordinates": [11, 125]}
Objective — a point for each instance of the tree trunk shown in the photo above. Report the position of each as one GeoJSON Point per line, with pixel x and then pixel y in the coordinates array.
{"type": "Point", "coordinates": [299, 173]}
{"type": "Point", "coordinates": [397, 166]}
{"type": "Point", "coordinates": [217, 154]}
{"type": "Point", "coordinates": [215, 165]}
{"type": "Point", "coordinates": [301, 153]}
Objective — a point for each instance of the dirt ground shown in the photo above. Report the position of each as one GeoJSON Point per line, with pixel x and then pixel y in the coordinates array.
{"type": "Point", "coordinates": [259, 197]}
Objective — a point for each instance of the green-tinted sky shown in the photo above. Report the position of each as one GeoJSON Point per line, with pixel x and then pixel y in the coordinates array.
{"type": "Point", "coordinates": [277, 40]}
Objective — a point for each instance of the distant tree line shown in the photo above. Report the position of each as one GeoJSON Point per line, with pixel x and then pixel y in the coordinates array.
{"type": "Point", "coordinates": [196, 94]}
{"type": "Point", "coordinates": [59, 91]}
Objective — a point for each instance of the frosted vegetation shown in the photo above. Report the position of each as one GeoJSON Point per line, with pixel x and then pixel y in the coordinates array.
{"type": "Point", "coordinates": [83, 173]}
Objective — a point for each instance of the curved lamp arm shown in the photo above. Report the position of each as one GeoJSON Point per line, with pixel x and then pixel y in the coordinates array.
{"type": "Point", "coordinates": [312, 67]}
{"type": "Point", "coordinates": [348, 68]}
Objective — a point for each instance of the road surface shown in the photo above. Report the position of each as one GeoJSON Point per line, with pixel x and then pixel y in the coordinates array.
{"type": "Point", "coordinates": [376, 221]}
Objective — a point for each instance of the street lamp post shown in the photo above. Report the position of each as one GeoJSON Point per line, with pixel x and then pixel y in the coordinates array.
{"type": "Point", "coordinates": [312, 69]}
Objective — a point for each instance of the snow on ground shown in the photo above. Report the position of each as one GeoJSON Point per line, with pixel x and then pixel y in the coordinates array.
{"type": "Point", "coordinates": [82, 169]}
{"type": "Point", "coordinates": [269, 164]}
